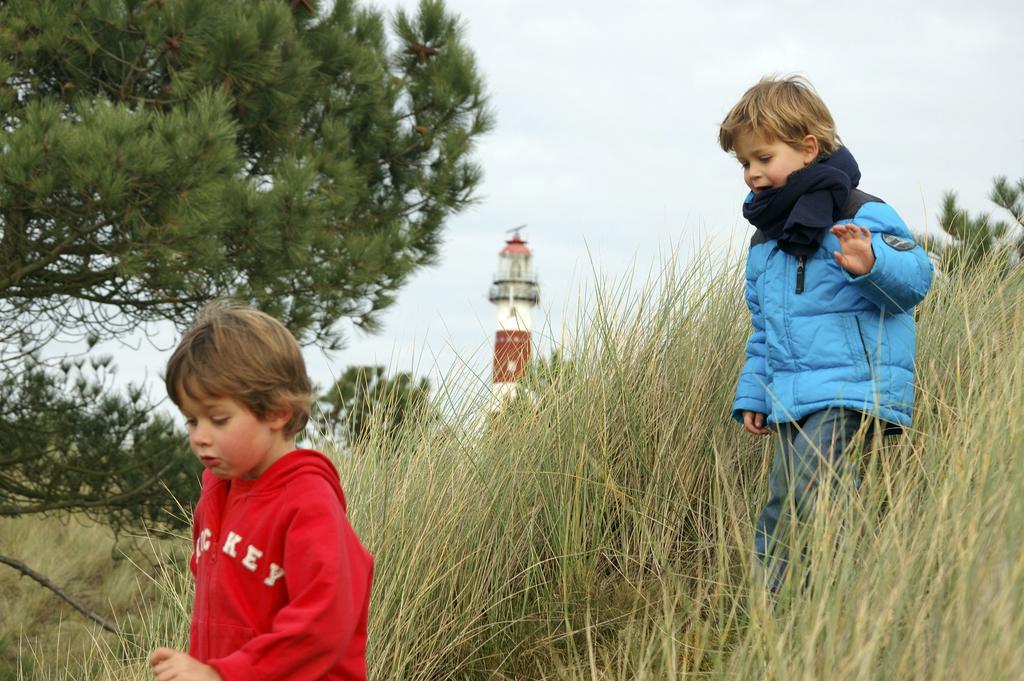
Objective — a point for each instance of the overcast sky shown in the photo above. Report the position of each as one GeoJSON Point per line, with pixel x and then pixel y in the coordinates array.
{"type": "Point", "coordinates": [606, 148]}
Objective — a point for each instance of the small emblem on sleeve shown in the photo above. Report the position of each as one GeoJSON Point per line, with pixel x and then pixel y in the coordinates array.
{"type": "Point", "coordinates": [897, 243]}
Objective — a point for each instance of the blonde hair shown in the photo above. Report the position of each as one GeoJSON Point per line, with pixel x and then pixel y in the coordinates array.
{"type": "Point", "coordinates": [242, 354]}
{"type": "Point", "coordinates": [781, 109]}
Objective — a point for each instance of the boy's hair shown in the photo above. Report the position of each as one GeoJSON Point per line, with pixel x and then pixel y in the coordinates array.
{"type": "Point", "coordinates": [242, 354]}
{"type": "Point", "coordinates": [781, 109]}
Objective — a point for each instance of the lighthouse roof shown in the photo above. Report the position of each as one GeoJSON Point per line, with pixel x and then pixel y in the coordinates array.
{"type": "Point", "coordinates": [515, 246]}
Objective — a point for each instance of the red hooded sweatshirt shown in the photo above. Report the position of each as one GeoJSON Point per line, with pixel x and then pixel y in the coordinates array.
{"type": "Point", "coordinates": [282, 582]}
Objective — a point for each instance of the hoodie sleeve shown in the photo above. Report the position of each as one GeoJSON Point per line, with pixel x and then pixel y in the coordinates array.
{"type": "Point", "coordinates": [327, 577]}
{"type": "Point", "coordinates": [750, 391]}
{"type": "Point", "coordinates": [192, 559]}
{"type": "Point", "coordinates": [902, 273]}
{"type": "Point", "coordinates": [198, 518]}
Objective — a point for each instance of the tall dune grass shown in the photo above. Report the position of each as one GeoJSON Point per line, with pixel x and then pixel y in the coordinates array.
{"type": "Point", "coordinates": [41, 634]}
{"type": "Point", "coordinates": [601, 527]}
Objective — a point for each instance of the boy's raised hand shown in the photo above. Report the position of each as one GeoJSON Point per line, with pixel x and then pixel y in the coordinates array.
{"type": "Point", "coordinates": [173, 665]}
{"type": "Point", "coordinates": [856, 257]}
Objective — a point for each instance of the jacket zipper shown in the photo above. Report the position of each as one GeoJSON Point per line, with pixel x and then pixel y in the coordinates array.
{"type": "Point", "coordinates": [864, 347]}
{"type": "Point", "coordinates": [801, 264]}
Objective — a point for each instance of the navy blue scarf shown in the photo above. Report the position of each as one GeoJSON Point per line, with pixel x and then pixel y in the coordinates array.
{"type": "Point", "coordinates": [798, 213]}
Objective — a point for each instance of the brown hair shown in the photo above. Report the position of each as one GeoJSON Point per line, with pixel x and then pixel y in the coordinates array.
{"type": "Point", "coordinates": [781, 109]}
{"type": "Point", "coordinates": [242, 354]}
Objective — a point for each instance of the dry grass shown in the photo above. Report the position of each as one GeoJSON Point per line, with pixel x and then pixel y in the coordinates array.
{"type": "Point", "coordinates": [602, 528]}
{"type": "Point", "coordinates": [39, 632]}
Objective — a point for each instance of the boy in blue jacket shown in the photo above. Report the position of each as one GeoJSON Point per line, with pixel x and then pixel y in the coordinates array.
{"type": "Point", "coordinates": [832, 277]}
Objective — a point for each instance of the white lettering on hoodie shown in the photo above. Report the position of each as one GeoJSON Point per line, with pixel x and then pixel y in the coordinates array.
{"type": "Point", "coordinates": [230, 543]}
{"type": "Point", "coordinates": [203, 542]}
{"type": "Point", "coordinates": [252, 554]}
{"type": "Point", "coordinates": [276, 573]}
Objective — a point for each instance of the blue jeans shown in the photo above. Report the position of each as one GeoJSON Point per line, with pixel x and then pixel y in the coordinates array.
{"type": "Point", "coordinates": [807, 451]}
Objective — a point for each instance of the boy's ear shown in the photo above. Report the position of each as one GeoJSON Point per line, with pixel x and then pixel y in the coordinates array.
{"type": "Point", "coordinates": [811, 148]}
{"type": "Point", "coordinates": [279, 417]}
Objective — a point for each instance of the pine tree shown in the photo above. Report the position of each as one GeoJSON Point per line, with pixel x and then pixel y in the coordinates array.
{"type": "Point", "coordinates": [365, 400]}
{"type": "Point", "coordinates": [73, 445]}
{"type": "Point", "coordinates": [978, 236]}
{"type": "Point", "coordinates": [155, 154]}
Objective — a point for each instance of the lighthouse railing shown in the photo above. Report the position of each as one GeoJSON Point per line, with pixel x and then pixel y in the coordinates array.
{"type": "Point", "coordinates": [515, 290]}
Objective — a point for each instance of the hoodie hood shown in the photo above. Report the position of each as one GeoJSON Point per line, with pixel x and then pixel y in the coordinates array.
{"type": "Point", "coordinates": [294, 464]}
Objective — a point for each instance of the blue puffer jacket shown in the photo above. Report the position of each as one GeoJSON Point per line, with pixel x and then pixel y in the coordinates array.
{"type": "Point", "coordinates": [843, 341]}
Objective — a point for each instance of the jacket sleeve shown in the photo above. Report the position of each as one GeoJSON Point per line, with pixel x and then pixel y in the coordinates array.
{"type": "Point", "coordinates": [327, 577]}
{"type": "Point", "coordinates": [902, 272]}
{"type": "Point", "coordinates": [750, 391]}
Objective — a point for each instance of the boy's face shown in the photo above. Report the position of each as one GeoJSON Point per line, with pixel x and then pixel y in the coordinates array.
{"type": "Point", "coordinates": [231, 440]}
{"type": "Point", "coordinates": [767, 164]}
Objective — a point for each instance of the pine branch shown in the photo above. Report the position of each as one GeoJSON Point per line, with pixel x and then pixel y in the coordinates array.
{"type": "Point", "coordinates": [88, 502]}
{"type": "Point", "coordinates": [71, 600]}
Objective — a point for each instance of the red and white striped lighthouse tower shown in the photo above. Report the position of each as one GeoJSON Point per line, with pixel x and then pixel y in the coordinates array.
{"type": "Point", "coordinates": [515, 293]}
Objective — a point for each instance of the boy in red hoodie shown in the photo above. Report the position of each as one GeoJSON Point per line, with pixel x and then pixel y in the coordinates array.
{"type": "Point", "coordinates": [282, 582]}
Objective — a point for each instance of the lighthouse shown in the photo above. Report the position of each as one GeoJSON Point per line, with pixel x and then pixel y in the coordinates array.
{"type": "Point", "coordinates": [515, 293]}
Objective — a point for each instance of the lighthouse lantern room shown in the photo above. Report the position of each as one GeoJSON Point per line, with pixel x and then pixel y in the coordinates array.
{"type": "Point", "coordinates": [515, 292]}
